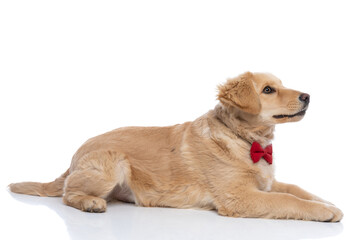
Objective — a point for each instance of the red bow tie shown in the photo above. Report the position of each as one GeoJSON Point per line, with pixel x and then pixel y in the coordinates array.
{"type": "Point", "coordinates": [257, 152]}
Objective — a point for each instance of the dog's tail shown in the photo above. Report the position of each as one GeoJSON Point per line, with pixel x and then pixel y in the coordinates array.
{"type": "Point", "coordinates": [51, 189]}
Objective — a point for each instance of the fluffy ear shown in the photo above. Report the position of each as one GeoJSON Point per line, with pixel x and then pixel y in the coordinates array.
{"type": "Point", "coordinates": [240, 92]}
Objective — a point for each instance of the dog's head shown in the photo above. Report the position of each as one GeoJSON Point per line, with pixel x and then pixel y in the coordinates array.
{"type": "Point", "coordinates": [261, 96]}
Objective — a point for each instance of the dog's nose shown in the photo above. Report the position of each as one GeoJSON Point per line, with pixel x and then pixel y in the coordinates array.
{"type": "Point", "coordinates": [305, 98]}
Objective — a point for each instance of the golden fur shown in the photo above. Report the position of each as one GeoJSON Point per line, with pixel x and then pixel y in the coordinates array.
{"type": "Point", "coordinates": [201, 164]}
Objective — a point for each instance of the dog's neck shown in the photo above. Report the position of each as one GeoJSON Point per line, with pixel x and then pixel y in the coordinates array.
{"type": "Point", "coordinates": [245, 126]}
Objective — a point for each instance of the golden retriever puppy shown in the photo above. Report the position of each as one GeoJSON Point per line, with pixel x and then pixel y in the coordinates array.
{"type": "Point", "coordinates": [221, 161]}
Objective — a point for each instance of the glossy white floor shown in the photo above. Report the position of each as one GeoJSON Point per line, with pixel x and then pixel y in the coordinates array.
{"type": "Point", "coordinates": [47, 218]}
{"type": "Point", "coordinates": [28, 217]}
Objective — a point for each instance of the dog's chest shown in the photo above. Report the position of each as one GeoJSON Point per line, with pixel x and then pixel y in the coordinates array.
{"type": "Point", "coordinates": [265, 176]}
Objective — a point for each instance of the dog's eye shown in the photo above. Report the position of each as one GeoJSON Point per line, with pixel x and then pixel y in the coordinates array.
{"type": "Point", "coordinates": [268, 90]}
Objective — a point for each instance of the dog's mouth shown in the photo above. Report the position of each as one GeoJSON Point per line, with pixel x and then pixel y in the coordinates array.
{"type": "Point", "coordinates": [301, 113]}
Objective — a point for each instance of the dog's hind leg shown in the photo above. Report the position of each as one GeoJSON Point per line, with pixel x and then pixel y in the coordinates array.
{"type": "Point", "coordinates": [93, 178]}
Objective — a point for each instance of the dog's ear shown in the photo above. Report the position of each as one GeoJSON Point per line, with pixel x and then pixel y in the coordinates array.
{"type": "Point", "coordinates": [240, 93]}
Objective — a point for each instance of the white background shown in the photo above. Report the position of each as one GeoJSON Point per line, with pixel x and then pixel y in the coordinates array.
{"type": "Point", "coordinates": [70, 70]}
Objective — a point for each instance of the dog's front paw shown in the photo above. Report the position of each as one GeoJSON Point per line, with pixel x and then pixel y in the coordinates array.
{"type": "Point", "coordinates": [318, 199]}
{"type": "Point", "coordinates": [338, 214]}
{"type": "Point", "coordinates": [328, 213]}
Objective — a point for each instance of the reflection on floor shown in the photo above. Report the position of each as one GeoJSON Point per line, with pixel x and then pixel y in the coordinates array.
{"type": "Point", "coordinates": [126, 221]}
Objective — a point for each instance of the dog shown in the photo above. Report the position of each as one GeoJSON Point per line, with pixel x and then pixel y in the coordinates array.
{"type": "Point", "coordinates": [220, 161]}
